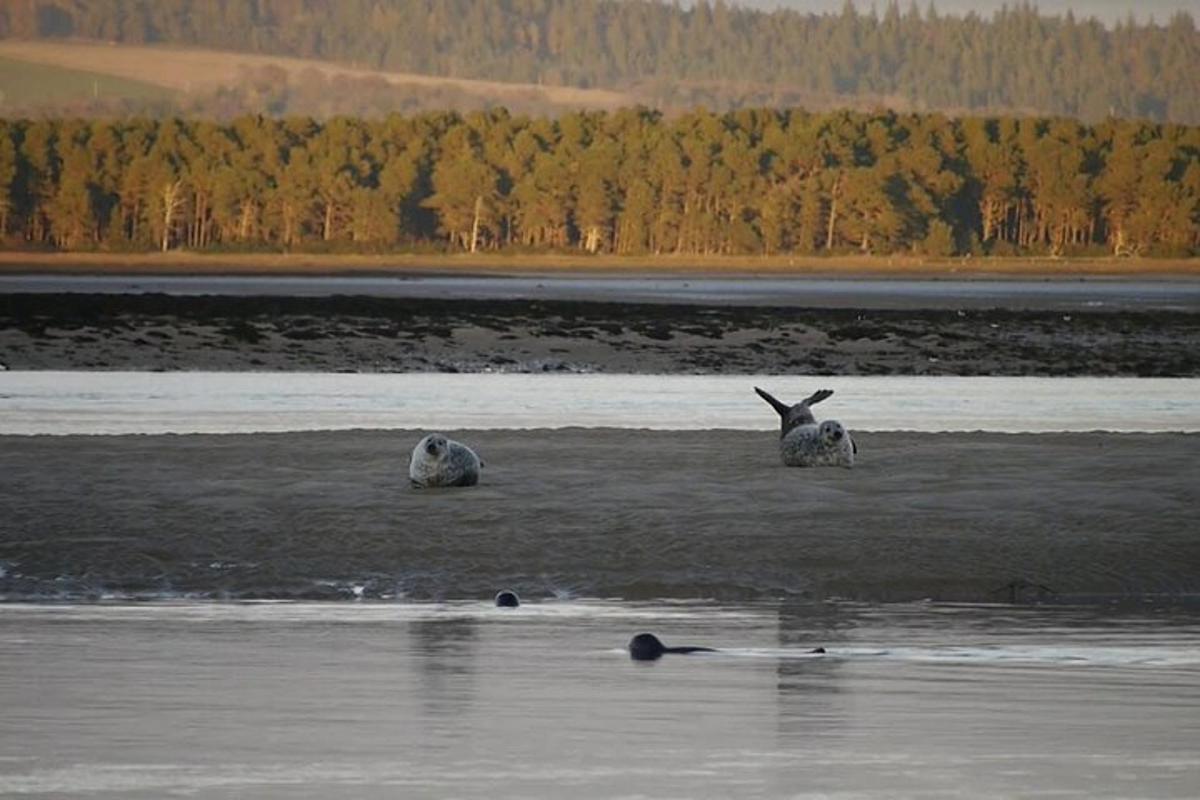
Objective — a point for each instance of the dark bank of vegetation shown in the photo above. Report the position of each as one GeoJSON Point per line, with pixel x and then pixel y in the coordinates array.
{"type": "Point", "coordinates": [674, 56]}
{"type": "Point", "coordinates": [630, 182]}
{"type": "Point", "coordinates": [376, 334]}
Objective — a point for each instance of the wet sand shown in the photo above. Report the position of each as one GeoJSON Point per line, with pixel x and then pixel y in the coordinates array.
{"type": "Point", "coordinates": [618, 513]}
{"type": "Point", "coordinates": [402, 334]}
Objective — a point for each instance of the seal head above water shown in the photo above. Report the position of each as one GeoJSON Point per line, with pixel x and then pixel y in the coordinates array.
{"type": "Point", "coordinates": [648, 647]}
{"type": "Point", "coordinates": [438, 461]}
{"type": "Point", "coordinates": [507, 599]}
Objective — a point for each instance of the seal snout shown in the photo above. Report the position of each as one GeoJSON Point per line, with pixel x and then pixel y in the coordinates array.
{"type": "Point", "coordinates": [431, 447]}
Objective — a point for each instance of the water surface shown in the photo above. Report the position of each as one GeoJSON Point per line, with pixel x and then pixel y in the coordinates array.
{"type": "Point", "coordinates": [464, 700]}
{"type": "Point", "coordinates": [975, 293]}
{"type": "Point", "coordinates": [240, 402]}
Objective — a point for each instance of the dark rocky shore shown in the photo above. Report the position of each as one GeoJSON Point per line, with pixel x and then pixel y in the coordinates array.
{"type": "Point", "coordinates": [373, 334]}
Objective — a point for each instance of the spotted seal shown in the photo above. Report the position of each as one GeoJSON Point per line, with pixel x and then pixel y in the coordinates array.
{"type": "Point", "coordinates": [438, 461]}
{"type": "Point", "coordinates": [805, 443]}
{"type": "Point", "coordinates": [507, 598]}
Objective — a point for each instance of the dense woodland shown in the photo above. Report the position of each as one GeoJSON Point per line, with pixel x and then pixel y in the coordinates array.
{"type": "Point", "coordinates": [718, 55]}
{"type": "Point", "coordinates": [632, 181]}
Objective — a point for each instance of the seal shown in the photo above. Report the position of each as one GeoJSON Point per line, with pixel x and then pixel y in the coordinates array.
{"type": "Point", "coordinates": [438, 461]}
{"type": "Point", "coordinates": [798, 414]}
{"type": "Point", "coordinates": [803, 442]}
{"type": "Point", "coordinates": [507, 599]}
{"type": "Point", "coordinates": [648, 647]}
{"type": "Point", "coordinates": [824, 445]}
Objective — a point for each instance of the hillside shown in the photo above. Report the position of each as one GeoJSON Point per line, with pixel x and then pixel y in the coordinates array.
{"type": "Point", "coordinates": [28, 85]}
{"type": "Point", "coordinates": [51, 75]}
{"type": "Point", "coordinates": [680, 55]}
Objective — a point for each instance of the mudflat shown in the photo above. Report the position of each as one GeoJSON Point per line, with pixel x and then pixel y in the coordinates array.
{"type": "Point", "coordinates": [602, 512]}
{"type": "Point", "coordinates": [64, 331]}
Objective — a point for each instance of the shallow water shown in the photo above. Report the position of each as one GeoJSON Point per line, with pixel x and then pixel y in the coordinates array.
{"type": "Point", "coordinates": [240, 402]}
{"type": "Point", "coordinates": [1064, 294]}
{"type": "Point", "coordinates": [465, 700]}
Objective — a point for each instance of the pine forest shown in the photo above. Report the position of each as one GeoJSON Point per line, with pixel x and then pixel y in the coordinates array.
{"type": "Point", "coordinates": [752, 181]}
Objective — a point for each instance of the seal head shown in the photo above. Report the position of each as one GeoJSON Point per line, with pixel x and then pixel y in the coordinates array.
{"type": "Point", "coordinates": [507, 599]}
{"type": "Point", "coordinates": [648, 647]}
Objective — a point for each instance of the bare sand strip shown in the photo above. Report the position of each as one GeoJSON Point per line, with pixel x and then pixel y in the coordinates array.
{"type": "Point", "coordinates": [181, 262]}
{"type": "Point", "coordinates": [625, 513]}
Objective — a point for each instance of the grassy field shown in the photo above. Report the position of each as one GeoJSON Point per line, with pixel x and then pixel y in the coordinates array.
{"type": "Point", "coordinates": [24, 84]}
{"type": "Point", "coordinates": [180, 262]}
{"type": "Point", "coordinates": [194, 69]}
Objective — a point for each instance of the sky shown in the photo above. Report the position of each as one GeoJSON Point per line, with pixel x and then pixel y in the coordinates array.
{"type": "Point", "coordinates": [1108, 11]}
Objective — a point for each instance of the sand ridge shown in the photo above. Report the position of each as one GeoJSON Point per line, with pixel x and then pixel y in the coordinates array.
{"type": "Point", "coordinates": [621, 513]}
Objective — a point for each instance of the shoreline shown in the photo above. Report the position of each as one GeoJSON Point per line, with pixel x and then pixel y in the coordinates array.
{"type": "Point", "coordinates": [965, 268]}
{"type": "Point", "coordinates": [602, 513]}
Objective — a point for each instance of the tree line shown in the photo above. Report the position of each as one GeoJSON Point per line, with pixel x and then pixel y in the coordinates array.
{"type": "Point", "coordinates": [1017, 61]}
{"type": "Point", "coordinates": [755, 181]}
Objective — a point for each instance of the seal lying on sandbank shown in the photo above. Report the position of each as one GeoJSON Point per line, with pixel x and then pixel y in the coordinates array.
{"type": "Point", "coordinates": [648, 647]}
{"type": "Point", "coordinates": [507, 599]}
{"type": "Point", "coordinates": [804, 443]}
{"type": "Point", "coordinates": [438, 461]}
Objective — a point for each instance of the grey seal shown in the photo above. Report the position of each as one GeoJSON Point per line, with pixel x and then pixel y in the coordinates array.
{"type": "Point", "coordinates": [803, 442]}
{"type": "Point", "coordinates": [507, 599]}
{"type": "Point", "coordinates": [438, 461]}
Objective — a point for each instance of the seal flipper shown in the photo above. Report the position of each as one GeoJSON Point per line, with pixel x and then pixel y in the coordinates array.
{"type": "Point", "coordinates": [817, 397]}
{"type": "Point", "coordinates": [780, 408]}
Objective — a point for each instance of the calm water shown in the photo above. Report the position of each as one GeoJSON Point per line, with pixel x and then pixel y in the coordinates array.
{"type": "Point", "coordinates": [465, 700]}
{"type": "Point", "coordinates": [196, 402]}
{"type": "Point", "coordinates": [1064, 294]}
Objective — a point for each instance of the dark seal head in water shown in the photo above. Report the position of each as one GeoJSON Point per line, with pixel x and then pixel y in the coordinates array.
{"type": "Point", "coordinates": [647, 647]}
{"type": "Point", "coordinates": [507, 599]}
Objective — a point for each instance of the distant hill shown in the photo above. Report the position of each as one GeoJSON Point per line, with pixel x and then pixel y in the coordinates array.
{"type": "Point", "coordinates": [57, 76]}
{"type": "Point", "coordinates": [673, 56]}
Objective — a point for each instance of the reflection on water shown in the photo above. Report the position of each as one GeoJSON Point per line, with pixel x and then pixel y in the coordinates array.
{"type": "Point", "coordinates": [444, 650]}
{"type": "Point", "coordinates": [465, 700]}
{"type": "Point", "coordinates": [241, 402]}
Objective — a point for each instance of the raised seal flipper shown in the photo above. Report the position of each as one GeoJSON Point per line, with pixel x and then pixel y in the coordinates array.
{"type": "Point", "coordinates": [779, 407]}
{"type": "Point", "coordinates": [817, 397]}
